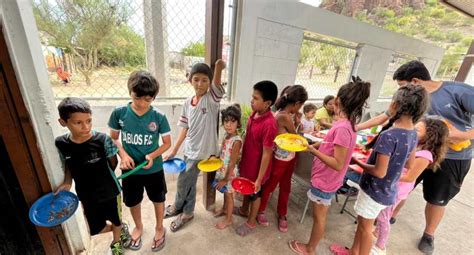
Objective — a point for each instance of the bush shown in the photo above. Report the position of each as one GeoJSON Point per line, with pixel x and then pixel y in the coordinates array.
{"type": "Point", "coordinates": [196, 49]}
{"type": "Point", "coordinates": [437, 12]}
{"type": "Point", "coordinates": [454, 36]}
{"type": "Point", "coordinates": [383, 12]}
{"type": "Point", "coordinates": [435, 34]}
{"type": "Point", "coordinates": [124, 48]}
{"type": "Point", "coordinates": [466, 42]}
{"type": "Point", "coordinates": [450, 19]}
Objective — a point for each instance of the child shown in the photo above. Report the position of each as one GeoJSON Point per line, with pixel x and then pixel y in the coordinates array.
{"type": "Point", "coordinates": [199, 123]}
{"type": "Point", "coordinates": [141, 125]}
{"type": "Point", "coordinates": [432, 146]}
{"type": "Point", "coordinates": [230, 151]}
{"type": "Point", "coordinates": [87, 153]}
{"type": "Point", "coordinates": [382, 171]}
{"type": "Point", "coordinates": [325, 114]}
{"type": "Point", "coordinates": [63, 75]}
{"type": "Point", "coordinates": [307, 123]}
{"type": "Point", "coordinates": [332, 158]}
{"type": "Point", "coordinates": [283, 163]}
{"type": "Point", "coordinates": [257, 151]}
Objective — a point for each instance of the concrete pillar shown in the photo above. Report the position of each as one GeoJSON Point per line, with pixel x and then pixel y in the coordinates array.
{"type": "Point", "coordinates": [156, 43]}
{"type": "Point", "coordinates": [372, 66]}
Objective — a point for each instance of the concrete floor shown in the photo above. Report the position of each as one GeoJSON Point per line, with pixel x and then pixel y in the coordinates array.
{"type": "Point", "coordinates": [454, 235]}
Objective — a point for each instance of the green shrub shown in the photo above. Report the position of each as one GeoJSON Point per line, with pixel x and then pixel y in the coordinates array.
{"type": "Point", "coordinates": [454, 36]}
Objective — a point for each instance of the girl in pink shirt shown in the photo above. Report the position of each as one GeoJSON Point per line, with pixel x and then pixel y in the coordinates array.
{"type": "Point", "coordinates": [332, 158]}
{"type": "Point", "coordinates": [432, 146]}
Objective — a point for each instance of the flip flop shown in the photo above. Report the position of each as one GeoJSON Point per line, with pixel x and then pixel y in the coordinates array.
{"type": "Point", "coordinates": [245, 229]}
{"type": "Point", "coordinates": [171, 213]}
{"type": "Point", "coordinates": [295, 248]}
{"type": "Point", "coordinates": [136, 244]}
{"type": "Point", "coordinates": [337, 249]}
{"type": "Point", "coordinates": [179, 222]}
{"type": "Point", "coordinates": [161, 245]}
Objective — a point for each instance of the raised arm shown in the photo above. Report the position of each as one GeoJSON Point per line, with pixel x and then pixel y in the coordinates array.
{"type": "Point", "coordinates": [219, 66]}
{"type": "Point", "coordinates": [377, 120]}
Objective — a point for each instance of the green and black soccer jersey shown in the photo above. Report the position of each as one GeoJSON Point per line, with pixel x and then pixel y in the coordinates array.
{"type": "Point", "coordinates": [140, 134]}
{"type": "Point", "coordinates": [90, 170]}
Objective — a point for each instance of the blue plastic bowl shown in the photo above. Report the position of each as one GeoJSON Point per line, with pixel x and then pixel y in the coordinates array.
{"type": "Point", "coordinates": [51, 210]}
{"type": "Point", "coordinates": [174, 166]}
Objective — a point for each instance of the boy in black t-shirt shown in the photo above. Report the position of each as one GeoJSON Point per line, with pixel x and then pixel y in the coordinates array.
{"type": "Point", "coordinates": [89, 158]}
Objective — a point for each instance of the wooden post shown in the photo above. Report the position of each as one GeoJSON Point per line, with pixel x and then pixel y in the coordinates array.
{"type": "Point", "coordinates": [466, 64]}
{"type": "Point", "coordinates": [213, 43]}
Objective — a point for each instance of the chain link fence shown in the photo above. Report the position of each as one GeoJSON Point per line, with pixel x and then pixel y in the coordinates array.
{"type": "Point", "coordinates": [91, 47]}
{"type": "Point", "coordinates": [389, 86]}
{"type": "Point", "coordinates": [324, 65]}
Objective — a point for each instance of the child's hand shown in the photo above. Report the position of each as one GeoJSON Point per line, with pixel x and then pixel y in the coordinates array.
{"type": "Point", "coordinates": [169, 156]}
{"type": "Point", "coordinates": [64, 186]}
{"type": "Point", "coordinates": [220, 64]}
{"type": "Point", "coordinates": [221, 184]}
{"type": "Point", "coordinates": [212, 157]}
{"type": "Point", "coordinates": [126, 162]}
{"type": "Point", "coordinates": [150, 162]}
{"type": "Point", "coordinates": [311, 147]}
{"type": "Point", "coordinates": [298, 116]}
{"type": "Point", "coordinates": [258, 186]}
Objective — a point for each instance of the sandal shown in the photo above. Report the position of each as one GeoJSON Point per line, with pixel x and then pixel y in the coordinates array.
{"type": "Point", "coordinates": [161, 241]}
{"type": "Point", "coordinates": [262, 219]}
{"type": "Point", "coordinates": [179, 222]}
{"type": "Point", "coordinates": [245, 229]}
{"type": "Point", "coordinates": [283, 225]}
{"type": "Point", "coordinates": [170, 212]}
{"type": "Point", "coordinates": [294, 246]}
{"type": "Point", "coordinates": [237, 211]}
{"type": "Point", "coordinates": [136, 244]}
{"type": "Point", "coordinates": [337, 249]}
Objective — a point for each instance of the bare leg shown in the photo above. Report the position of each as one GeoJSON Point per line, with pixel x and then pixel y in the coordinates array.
{"type": "Point", "coordinates": [254, 206]}
{"type": "Point", "coordinates": [397, 209]}
{"type": "Point", "coordinates": [365, 235]}
{"type": "Point", "coordinates": [434, 214]}
{"type": "Point", "coordinates": [319, 224]}
{"type": "Point", "coordinates": [229, 206]}
{"type": "Point", "coordinates": [116, 231]}
{"type": "Point", "coordinates": [137, 219]}
{"type": "Point", "coordinates": [159, 214]}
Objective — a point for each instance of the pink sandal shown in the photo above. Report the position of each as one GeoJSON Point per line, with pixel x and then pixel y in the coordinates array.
{"type": "Point", "coordinates": [283, 225]}
{"type": "Point", "coordinates": [294, 246]}
{"type": "Point", "coordinates": [262, 219]}
{"type": "Point", "coordinates": [337, 249]}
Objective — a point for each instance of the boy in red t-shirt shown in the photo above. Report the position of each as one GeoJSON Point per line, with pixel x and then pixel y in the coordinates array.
{"type": "Point", "coordinates": [257, 151]}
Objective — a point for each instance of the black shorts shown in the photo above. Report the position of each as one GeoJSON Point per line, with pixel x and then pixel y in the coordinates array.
{"type": "Point", "coordinates": [441, 186]}
{"type": "Point", "coordinates": [97, 214]}
{"type": "Point", "coordinates": [257, 195]}
{"type": "Point", "coordinates": [134, 185]}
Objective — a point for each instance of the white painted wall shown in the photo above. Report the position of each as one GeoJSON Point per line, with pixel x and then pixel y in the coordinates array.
{"type": "Point", "coordinates": [269, 36]}
{"type": "Point", "coordinates": [17, 20]}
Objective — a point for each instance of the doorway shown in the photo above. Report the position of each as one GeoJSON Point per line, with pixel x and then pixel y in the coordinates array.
{"type": "Point", "coordinates": [23, 177]}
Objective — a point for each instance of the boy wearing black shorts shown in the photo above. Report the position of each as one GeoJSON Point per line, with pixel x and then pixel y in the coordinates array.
{"type": "Point", "coordinates": [89, 158]}
{"type": "Point", "coordinates": [141, 126]}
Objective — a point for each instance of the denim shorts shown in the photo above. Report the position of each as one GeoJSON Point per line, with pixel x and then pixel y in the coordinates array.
{"type": "Point", "coordinates": [320, 197]}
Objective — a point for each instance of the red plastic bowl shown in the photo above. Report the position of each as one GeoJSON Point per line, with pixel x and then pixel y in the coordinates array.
{"type": "Point", "coordinates": [243, 185]}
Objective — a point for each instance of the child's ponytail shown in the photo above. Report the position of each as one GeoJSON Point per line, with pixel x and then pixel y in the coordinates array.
{"type": "Point", "coordinates": [352, 98]}
{"type": "Point", "coordinates": [291, 95]}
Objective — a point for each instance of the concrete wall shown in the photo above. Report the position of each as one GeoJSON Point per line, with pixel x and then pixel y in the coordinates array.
{"type": "Point", "coordinates": [270, 34]}
{"type": "Point", "coordinates": [17, 20]}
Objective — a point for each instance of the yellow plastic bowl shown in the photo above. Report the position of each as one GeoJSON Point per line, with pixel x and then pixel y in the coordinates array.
{"type": "Point", "coordinates": [291, 142]}
{"type": "Point", "coordinates": [210, 165]}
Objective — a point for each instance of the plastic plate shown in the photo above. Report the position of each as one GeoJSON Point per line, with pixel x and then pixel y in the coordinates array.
{"type": "Point", "coordinates": [210, 165]}
{"type": "Point", "coordinates": [243, 185]}
{"type": "Point", "coordinates": [174, 166]}
{"type": "Point", "coordinates": [291, 142]}
{"type": "Point", "coordinates": [51, 210]}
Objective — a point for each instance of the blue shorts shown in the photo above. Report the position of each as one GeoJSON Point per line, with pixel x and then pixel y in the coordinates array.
{"type": "Point", "coordinates": [320, 197]}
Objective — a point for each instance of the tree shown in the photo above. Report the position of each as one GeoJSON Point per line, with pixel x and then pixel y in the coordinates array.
{"type": "Point", "coordinates": [196, 49]}
{"type": "Point", "coordinates": [80, 27]}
